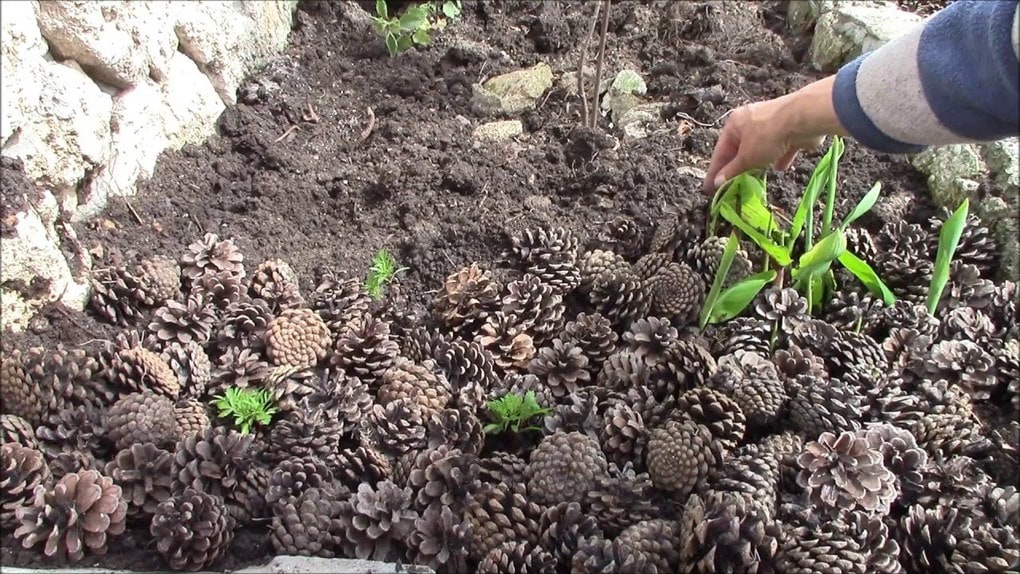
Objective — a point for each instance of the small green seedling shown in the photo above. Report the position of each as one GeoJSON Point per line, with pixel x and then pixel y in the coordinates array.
{"type": "Point", "coordinates": [383, 270]}
{"type": "Point", "coordinates": [415, 24]}
{"type": "Point", "coordinates": [248, 407]}
{"type": "Point", "coordinates": [512, 410]}
{"type": "Point", "coordinates": [949, 239]}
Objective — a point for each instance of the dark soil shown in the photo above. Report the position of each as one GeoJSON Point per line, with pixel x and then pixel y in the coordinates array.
{"type": "Point", "coordinates": [289, 176]}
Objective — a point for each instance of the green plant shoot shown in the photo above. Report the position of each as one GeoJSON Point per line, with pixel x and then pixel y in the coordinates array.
{"type": "Point", "coordinates": [415, 24]}
{"type": "Point", "coordinates": [383, 270]}
{"type": "Point", "coordinates": [729, 252]}
{"type": "Point", "coordinates": [511, 411]}
{"type": "Point", "coordinates": [949, 239]}
{"type": "Point", "coordinates": [248, 407]}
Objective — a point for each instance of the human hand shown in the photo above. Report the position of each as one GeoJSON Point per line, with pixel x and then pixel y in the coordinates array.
{"type": "Point", "coordinates": [771, 133]}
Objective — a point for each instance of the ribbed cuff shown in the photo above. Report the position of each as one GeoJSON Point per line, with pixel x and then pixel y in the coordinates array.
{"type": "Point", "coordinates": [857, 123]}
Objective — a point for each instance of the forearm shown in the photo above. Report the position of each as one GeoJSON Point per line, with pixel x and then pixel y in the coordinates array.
{"type": "Point", "coordinates": [953, 80]}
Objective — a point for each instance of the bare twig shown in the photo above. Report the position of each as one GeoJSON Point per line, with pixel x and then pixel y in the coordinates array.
{"type": "Point", "coordinates": [310, 116]}
{"type": "Point", "coordinates": [702, 124]}
{"type": "Point", "coordinates": [371, 124]}
{"type": "Point", "coordinates": [603, 33]}
{"type": "Point", "coordinates": [195, 219]}
{"type": "Point", "coordinates": [580, 65]}
{"type": "Point", "coordinates": [289, 131]}
{"type": "Point", "coordinates": [131, 208]}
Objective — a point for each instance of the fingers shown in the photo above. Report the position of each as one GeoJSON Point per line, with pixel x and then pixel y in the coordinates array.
{"type": "Point", "coordinates": [785, 161]}
{"type": "Point", "coordinates": [725, 150]}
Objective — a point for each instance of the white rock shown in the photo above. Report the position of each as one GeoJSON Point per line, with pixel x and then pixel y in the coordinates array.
{"type": "Point", "coordinates": [228, 39]}
{"type": "Point", "coordinates": [801, 14]}
{"type": "Point", "coordinates": [953, 172]}
{"type": "Point", "coordinates": [847, 31]}
{"type": "Point", "coordinates": [33, 257]}
{"type": "Point", "coordinates": [70, 129]}
{"type": "Point", "coordinates": [499, 131]}
{"type": "Point", "coordinates": [21, 52]}
{"type": "Point", "coordinates": [119, 43]}
{"type": "Point", "coordinates": [193, 104]}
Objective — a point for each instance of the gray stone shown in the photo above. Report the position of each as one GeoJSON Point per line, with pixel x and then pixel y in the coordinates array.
{"type": "Point", "coordinates": [953, 172]}
{"type": "Point", "coordinates": [499, 131]}
{"type": "Point", "coordinates": [513, 92]}
{"type": "Point", "coordinates": [847, 31]}
{"type": "Point", "coordinates": [638, 120]}
{"type": "Point", "coordinates": [802, 14]}
{"type": "Point", "coordinates": [624, 93]}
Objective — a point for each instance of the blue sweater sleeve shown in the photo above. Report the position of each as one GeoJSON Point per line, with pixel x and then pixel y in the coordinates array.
{"type": "Point", "coordinates": [955, 79]}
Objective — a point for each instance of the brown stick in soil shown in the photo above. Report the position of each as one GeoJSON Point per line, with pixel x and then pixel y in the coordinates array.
{"type": "Point", "coordinates": [371, 124]}
{"type": "Point", "coordinates": [580, 65]}
{"type": "Point", "coordinates": [289, 131]}
{"type": "Point", "coordinates": [603, 33]}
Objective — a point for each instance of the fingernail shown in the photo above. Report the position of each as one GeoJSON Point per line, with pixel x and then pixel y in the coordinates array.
{"type": "Point", "coordinates": [719, 181]}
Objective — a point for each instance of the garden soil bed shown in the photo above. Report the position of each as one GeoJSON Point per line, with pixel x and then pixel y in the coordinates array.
{"type": "Point", "coordinates": [289, 175]}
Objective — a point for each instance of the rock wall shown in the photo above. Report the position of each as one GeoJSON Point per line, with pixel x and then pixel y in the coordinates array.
{"type": "Point", "coordinates": [91, 92]}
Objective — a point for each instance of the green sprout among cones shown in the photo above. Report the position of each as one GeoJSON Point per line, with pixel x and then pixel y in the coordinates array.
{"type": "Point", "coordinates": [384, 268]}
{"type": "Point", "coordinates": [248, 407]}
{"type": "Point", "coordinates": [512, 410]}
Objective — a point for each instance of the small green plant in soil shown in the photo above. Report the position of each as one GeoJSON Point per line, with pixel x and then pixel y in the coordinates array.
{"type": "Point", "coordinates": [800, 250]}
{"type": "Point", "coordinates": [384, 268]}
{"type": "Point", "coordinates": [949, 238]}
{"type": "Point", "coordinates": [512, 410]}
{"type": "Point", "coordinates": [248, 407]}
{"type": "Point", "coordinates": [415, 25]}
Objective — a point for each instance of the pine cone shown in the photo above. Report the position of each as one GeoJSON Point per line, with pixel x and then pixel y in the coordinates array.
{"type": "Point", "coordinates": [116, 295]}
{"type": "Point", "coordinates": [715, 411]}
{"type": "Point", "coordinates": [597, 555]}
{"type": "Point", "coordinates": [680, 456]}
{"type": "Point", "coordinates": [966, 364]}
{"type": "Point", "coordinates": [901, 455]}
{"type": "Point", "coordinates": [499, 513]}
{"type": "Point", "coordinates": [212, 462]}
{"type": "Point", "coordinates": [534, 307]}
{"type": "Point", "coordinates": [191, 365]}
{"type": "Point", "coordinates": [825, 548]}
{"type": "Point", "coordinates": [929, 535]}
{"type": "Point", "coordinates": [439, 539]}
{"type": "Point", "coordinates": [243, 326]}
{"type": "Point", "coordinates": [623, 235]}
{"type": "Point", "coordinates": [549, 254]}
{"type": "Point", "coordinates": [293, 476]}
{"type": "Point", "coordinates": [781, 305]}
{"type": "Point", "coordinates": [966, 288]}
{"type": "Point", "coordinates": [597, 263]}
{"type": "Point", "coordinates": [19, 395]}
{"type": "Point", "coordinates": [621, 298]}
{"type": "Point", "coordinates": [80, 511]}
{"type": "Point", "coordinates": [563, 526]}
{"type": "Point", "coordinates": [140, 418]}
{"type": "Point", "coordinates": [705, 257]}
{"type": "Point", "coordinates": [406, 379]}
{"type": "Point", "coordinates": [727, 533]}
{"type": "Point", "coordinates": [510, 346]}
{"type": "Point", "coordinates": [348, 399]}
{"type": "Point", "coordinates": [753, 471]}
{"type": "Point", "coordinates": [818, 406]}
{"type": "Point", "coordinates": [70, 439]}
{"type": "Point", "coordinates": [623, 498]}
{"type": "Point", "coordinates": [297, 338]}
{"type": "Point", "coordinates": [517, 558]}
{"type": "Point", "coordinates": [467, 298]}
{"type": "Point", "coordinates": [658, 541]}
{"type": "Point", "coordinates": [1007, 360]}
{"type": "Point", "coordinates": [676, 291]}
{"type": "Point", "coordinates": [212, 254]}
{"type": "Point", "coordinates": [623, 434]}
{"type": "Point", "coordinates": [759, 393]}
{"type": "Point", "coordinates": [967, 323]}
{"type": "Point", "coordinates": [137, 369]}
{"type": "Point", "coordinates": [563, 467]}
{"type": "Point", "coordinates": [16, 429]}
{"type": "Point", "coordinates": [594, 334]}
{"type": "Point", "coordinates": [649, 264]}
{"type": "Point", "coordinates": [988, 549]}
{"type": "Point", "coordinates": [183, 322]}
{"type": "Point", "coordinates": [458, 428]}
{"type": "Point", "coordinates": [67, 378]}
{"type": "Point", "coordinates": [365, 349]}
{"type": "Point", "coordinates": [220, 289]}
{"type": "Point", "coordinates": [577, 412]}
{"type": "Point", "coordinates": [239, 368]}
{"type": "Point", "coordinates": [24, 469]}
{"type": "Point", "coordinates": [276, 282]}
{"type": "Point", "coordinates": [289, 386]}
{"type": "Point", "coordinates": [562, 367]}
{"type": "Point", "coordinates": [308, 524]}
{"type": "Point", "coordinates": [339, 301]}
{"type": "Point", "coordinates": [159, 278]}
{"type": "Point", "coordinates": [303, 432]}
{"type": "Point", "coordinates": [1003, 307]}
{"type": "Point", "coordinates": [470, 370]}
{"type": "Point", "coordinates": [142, 471]}
{"type": "Point", "coordinates": [193, 529]}
{"type": "Point", "coordinates": [742, 335]}
{"type": "Point", "coordinates": [651, 339]}
{"type": "Point", "coordinates": [500, 467]}
{"type": "Point", "coordinates": [842, 472]}
{"type": "Point", "coordinates": [851, 311]}
{"type": "Point", "coordinates": [944, 435]}
{"type": "Point", "coordinates": [691, 362]}
{"type": "Point", "coordinates": [443, 476]}
{"type": "Point", "coordinates": [676, 236]}
{"type": "Point", "coordinates": [399, 425]}
{"type": "Point", "coordinates": [376, 520]}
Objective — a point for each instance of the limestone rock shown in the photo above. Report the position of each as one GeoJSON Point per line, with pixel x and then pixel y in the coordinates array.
{"type": "Point", "coordinates": [499, 131]}
{"type": "Point", "coordinates": [803, 14]}
{"type": "Point", "coordinates": [513, 92]}
{"type": "Point", "coordinates": [847, 31]}
{"type": "Point", "coordinates": [228, 39]}
{"type": "Point", "coordinates": [21, 51]}
{"type": "Point", "coordinates": [119, 44]}
{"type": "Point", "coordinates": [953, 172]}
{"type": "Point", "coordinates": [624, 93]}
{"type": "Point", "coordinates": [637, 121]}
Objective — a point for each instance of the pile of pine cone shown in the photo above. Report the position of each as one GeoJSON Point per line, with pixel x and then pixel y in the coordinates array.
{"type": "Point", "coordinates": [868, 439]}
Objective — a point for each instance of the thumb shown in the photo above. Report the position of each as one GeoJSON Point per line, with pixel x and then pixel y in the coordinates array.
{"type": "Point", "coordinates": [736, 167]}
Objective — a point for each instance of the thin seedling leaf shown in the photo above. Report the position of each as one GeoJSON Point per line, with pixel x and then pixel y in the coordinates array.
{"type": "Point", "coordinates": [414, 18]}
{"type": "Point", "coordinates": [777, 252]}
{"type": "Point", "coordinates": [807, 201]}
{"type": "Point", "coordinates": [819, 258]}
{"type": "Point", "coordinates": [729, 253]}
{"type": "Point", "coordinates": [382, 10]}
{"type": "Point", "coordinates": [863, 206]}
{"type": "Point", "coordinates": [451, 9]}
{"type": "Point", "coordinates": [830, 200]}
{"type": "Point", "coordinates": [949, 238]}
{"type": "Point", "coordinates": [867, 276]}
{"type": "Point", "coordinates": [737, 297]}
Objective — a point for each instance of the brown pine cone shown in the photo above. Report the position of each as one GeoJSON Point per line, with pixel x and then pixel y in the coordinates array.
{"type": "Point", "coordinates": [717, 412]}
{"type": "Point", "coordinates": [365, 350]}
{"type": "Point", "coordinates": [597, 555]}
{"type": "Point", "coordinates": [443, 476]}
{"type": "Point", "coordinates": [191, 365]}
{"type": "Point", "coordinates": [818, 405]}
{"type": "Point", "coordinates": [499, 513]}
{"type": "Point", "coordinates": [308, 524]}
{"type": "Point", "coordinates": [549, 254]}
{"type": "Point", "coordinates": [220, 289]}
{"type": "Point", "coordinates": [987, 549]}
{"type": "Point", "coordinates": [690, 362]}
{"type": "Point", "coordinates": [20, 397]}
{"type": "Point", "coordinates": [622, 499]}
{"type": "Point", "coordinates": [142, 471]}
{"type": "Point", "coordinates": [534, 307]}
{"type": "Point", "coordinates": [562, 367]}
{"type": "Point", "coordinates": [621, 297]}
{"type": "Point", "coordinates": [212, 254]}
{"type": "Point", "coordinates": [470, 370]}
{"type": "Point", "coordinates": [824, 548]}
{"type": "Point", "coordinates": [339, 301]}
{"type": "Point", "coordinates": [458, 428]}
{"type": "Point", "coordinates": [759, 393]}
{"type": "Point", "coordinates": [297, 338]}
{"type": "Point", "coordinates": [794, 361]}
{"type": "Point", "coordinates": [399, 425]}
{"type": "Point", "coordinates": [502, 467]}
{"type": "Point", "coordinates": [192, 529]}
{"type": "Point", "coordinates": [16, 429]}
{"type": "Point", "coordinates": [275, 282]}
{"type": "Point", "coordinates": [212, 462]}
{"type": "Point", "coordinates": [304, 431]}
{"type": "Point", "coordinates": [651, 338]}
{"type": "Point", "coordinates": [842, 471]}
{"type": "Point", "coordinates": [598, 262]}
{"type": "Point", "coordinates": [753, 471]}
{"type": "Point", "coordinates": [676, 291]}
{"type": "Point", "coordinates": [159, 277]}
{"type": "Point", "coordinates": [241, 368]}
{"type": "Point", "coordinates": [289, 386]}
{"type": "Point", "coordinates": [362, 463]}
{"type": "Point", "coordinates": [295, 475]}
{"type": "Point", "coordinates": [594, 334]}
{"type": "Point", "coordinates": [680, 455]}
{"type": "Point", "coordinates": [650, 264]}
{"type": "Point", "coordinates": [179, 322]}
{"type": "Point", "coordinates": [944, 435]}
{"type": "Point", "coordinates": [190, 417]}
{"type": "Point", "coordinates": [67, 378]}
{"type": "Point", "coordinates": [517, 558]}
{"type": "Point", "coordinates": [405, 379]}
{"type": "Point", "coordinates": [564, 467]}
{"type": "Point", "coordinates": [80, 511]}
{"type": "Point", "coordinates": [115, 295]}
{"type": "Point", "coordinates": [376, 521]}
{"type": "Point", "coordinates": [243, 326]}
{"type": "Point", "coordinates": [624, 370]}
{"type": "Point", "coordinates": [137, 369]}
{"type": "Point", "coordinates": [467, 298]}
{"type": "Point", "coordinates": [23, 470]}
{"type": "Point", "coordinates": [71, 440]}
{"type": "Point", "coordinates": [623, 235]}
{"type": "Point", "coordinates": [140, 418]}
{"type": "Point", "coordinates": [510, 346]}
{"type": "Point", "coordinates": [563, 526]}
{"type": "Point", "coordinates": [704, 259]}
{"type": "Point", "coordinates": [623, 435]}
{"type": "Point", "coordinates": [657, 540]}
{"type": "Point", "coordinates": [347, 398]}
{"type": "Point", "coordinates": [727, 533]}
{"type": "Point", "coordinates": [439, 539]}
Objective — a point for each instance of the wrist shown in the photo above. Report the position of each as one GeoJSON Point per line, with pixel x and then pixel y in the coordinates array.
{"type": "Point", "coordinates": [809, 113]}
